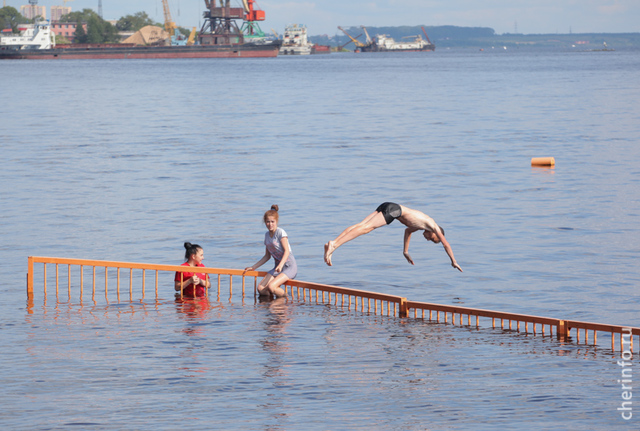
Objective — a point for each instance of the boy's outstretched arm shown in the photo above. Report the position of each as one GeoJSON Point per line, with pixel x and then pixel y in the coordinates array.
{"type": "Point", "coordinates": [447, 248]}
{"type": "Point", "coordinates": [407, 238]}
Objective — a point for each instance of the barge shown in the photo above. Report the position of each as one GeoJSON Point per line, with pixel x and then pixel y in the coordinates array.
{"type": "Point", "coordinates": [130, 51]}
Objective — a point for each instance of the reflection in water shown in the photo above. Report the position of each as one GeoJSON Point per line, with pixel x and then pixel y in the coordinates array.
{"type": "Point", "coordinates": [274, 343]}
{"type": "Point", "coordinates": [71, 313]}
{"type": "Point", "coordinates": [285, 363]}
{"type": "Point", "coordinates": [549, 170]}
{"type": "Point", "coordinates": [195, 311]}
{"type": "Point", "coordinates": [193, 308]}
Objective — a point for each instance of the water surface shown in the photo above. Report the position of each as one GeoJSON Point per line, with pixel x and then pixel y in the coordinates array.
{"type": "Point", "coordinates": [126, 160]}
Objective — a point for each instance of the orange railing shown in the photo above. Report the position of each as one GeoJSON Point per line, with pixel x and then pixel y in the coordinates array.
{"type": "Point", "coordinates": [365, 301]}
{"type": "Point", "coordinates": [562, 327]}
{"type": "Point", "coordinates": [118, 266]}
{"type": "Point", "coordinates": [375, 302]}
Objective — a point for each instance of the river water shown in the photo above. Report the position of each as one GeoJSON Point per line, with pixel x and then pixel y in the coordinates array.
{"type": "Point", "coordinates": [126, 160]}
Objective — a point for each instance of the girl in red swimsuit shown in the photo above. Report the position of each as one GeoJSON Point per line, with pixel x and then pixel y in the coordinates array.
{"type": "Point", "coordinates": [193, 284]}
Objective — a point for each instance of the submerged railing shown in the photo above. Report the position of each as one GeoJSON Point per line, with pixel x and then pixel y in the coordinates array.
{"type": "Point", "coordinates": [561, 328]}
{"type": "Point", "coordinates": [362, 300]}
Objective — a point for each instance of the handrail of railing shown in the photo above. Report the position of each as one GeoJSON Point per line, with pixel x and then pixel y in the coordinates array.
{"type": "Point", "coordinates": [346, 291]}
{"type": "Point", "coordinates": [378, 298]}
{"type": "Point", "coordinates": [401, 306]}
{"type": "Point", "coordinates": [481, 313]}
{"type": "Point", "coordinates": [602, 327]}
{"type": "Point", "coordinates": [150, 266]}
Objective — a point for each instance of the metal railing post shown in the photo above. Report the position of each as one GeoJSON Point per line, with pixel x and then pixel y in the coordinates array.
{"type": "Point", "coordinates": [563, 330]}
{"type": "Point", "coordinates": [403, 311]}
{"type": "Point", "coordinates": [30, 278]}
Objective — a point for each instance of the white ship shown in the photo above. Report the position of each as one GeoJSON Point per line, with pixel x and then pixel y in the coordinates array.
{"type": "Point", "coordinates": [32, 36]}
{"type": "Point", "coordinates": [386, 43]}
{"type": "Point", "coordinates": [295, 41]}
{"type": "Point", "coordinates": [383, 42]}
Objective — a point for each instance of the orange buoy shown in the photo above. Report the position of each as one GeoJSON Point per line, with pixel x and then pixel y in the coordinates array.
{"type": "Point", "coordinates": [543, 161]}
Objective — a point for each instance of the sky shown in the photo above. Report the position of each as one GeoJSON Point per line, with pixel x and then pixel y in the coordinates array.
{"type": "Point", "coordinates": [323, 17]}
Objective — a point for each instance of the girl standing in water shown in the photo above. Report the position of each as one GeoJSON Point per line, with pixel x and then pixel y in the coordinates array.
{"type": "Point", "coordinates": [277, 245]}
{"type": "Point", "coordinates": [192, 283]}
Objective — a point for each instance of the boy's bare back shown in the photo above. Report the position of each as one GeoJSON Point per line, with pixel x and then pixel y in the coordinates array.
{"type": "Point", "coordinates": [417, 220]}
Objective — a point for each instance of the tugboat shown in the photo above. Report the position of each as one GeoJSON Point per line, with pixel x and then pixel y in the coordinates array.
{"type": "Point", "coordinates": [295, 41]}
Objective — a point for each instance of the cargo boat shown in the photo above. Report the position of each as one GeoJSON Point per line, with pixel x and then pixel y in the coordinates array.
{"type": "Point", "coordinates": [384, 43]}
{"type": "Point", "coordinates": [220, 37]}
{"type": "Point", "coordinates": [295, 41]}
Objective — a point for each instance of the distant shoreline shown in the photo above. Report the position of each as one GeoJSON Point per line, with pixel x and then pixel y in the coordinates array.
{"type": "Point", "coordinates": [484, 37]}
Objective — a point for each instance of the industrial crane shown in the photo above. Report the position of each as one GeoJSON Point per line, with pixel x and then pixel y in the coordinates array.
{"type": "Point", "coordinates": [356, 42]}
{"type": "Point", "coordinates": [369, 41]}
{"type": "Point", "coordinates": [192, 36]}
{"type": "Point", "coordinates": [341, 47]}
{"type": "Point", "coordinates": [250, 27]}
{"type": "Point", "coordinates": [220, 23]}
{"type": "Point", "coordinates": [425, 35]}
{"type": "Point", "coordinates": [177, 38]}
{"type": "Point", "coordinates": [169, 25]}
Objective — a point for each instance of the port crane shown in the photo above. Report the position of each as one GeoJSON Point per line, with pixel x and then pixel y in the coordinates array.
{"type": "Point", "coordinates": [355, 41]}
{"type": "Point", "coordinates": [341, 47]}
{"type": "Point", "coordinates": [219, 25]}
{"type": "Point", "coordinates": [177, 38]}
{"type": "Point", "coordinates": [250, 27]}
{"type": "Point", "coordinates": [369, 41]}
{"type": "Point", "coordinates": [425, 35]}
{"type": "Point", "coordinates": [169, 25]}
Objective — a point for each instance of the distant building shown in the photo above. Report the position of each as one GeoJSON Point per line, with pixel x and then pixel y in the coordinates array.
{"type": "Point", "coordinates": [31, 11]}
{"type": "Point", "coordinates": [66, 29]}
{"type": "Point", "coordinates": [58, 11]}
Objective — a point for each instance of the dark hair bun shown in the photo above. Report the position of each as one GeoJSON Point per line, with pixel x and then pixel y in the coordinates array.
{"type": "Point", "coordinates": [274, 207]}
{"type": "Point", "coordinates": [190, 249]}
